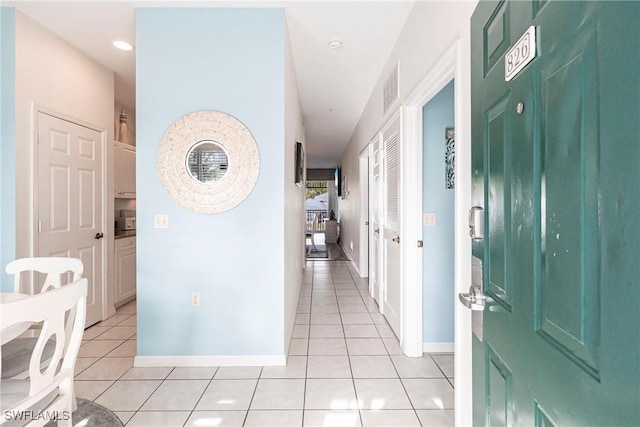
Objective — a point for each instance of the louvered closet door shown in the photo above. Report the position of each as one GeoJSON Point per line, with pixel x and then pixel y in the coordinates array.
{"type": "Point", "coordinates": [392, 290]}
{"type": "Point", "coordinates": [377, 263]}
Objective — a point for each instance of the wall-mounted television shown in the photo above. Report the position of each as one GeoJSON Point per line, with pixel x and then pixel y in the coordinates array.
{"type": "Point", "coordinates": [337, 174]}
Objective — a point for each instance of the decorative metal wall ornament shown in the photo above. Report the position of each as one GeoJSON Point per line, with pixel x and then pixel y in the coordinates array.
{"type": "Point", "coordinates": [450, 159]}
{"type": "Point", "coordinates": [216, 196]}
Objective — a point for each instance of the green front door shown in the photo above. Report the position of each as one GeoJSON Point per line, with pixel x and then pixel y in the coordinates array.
{"type": "Point", "coordinates": [556, 167]}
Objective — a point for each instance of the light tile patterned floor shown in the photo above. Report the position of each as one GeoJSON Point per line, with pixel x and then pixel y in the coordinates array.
{"type": "Point", "coordinates": [345, 369]}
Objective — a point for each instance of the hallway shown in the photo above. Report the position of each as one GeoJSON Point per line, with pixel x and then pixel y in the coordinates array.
{"type": "Point", "coordinates": [345, 369]}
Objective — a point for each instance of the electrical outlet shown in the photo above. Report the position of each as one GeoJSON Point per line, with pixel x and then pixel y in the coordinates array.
{"type": "Point", "coordinates": [161, 221]}
{"type": "Point", "coordinates": [429, 219]}
{"type": "Point", "coordinates": [195, 299]}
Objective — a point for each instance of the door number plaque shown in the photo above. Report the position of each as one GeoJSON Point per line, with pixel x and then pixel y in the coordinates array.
{"type": "Point", "coordinates": [520, 54]}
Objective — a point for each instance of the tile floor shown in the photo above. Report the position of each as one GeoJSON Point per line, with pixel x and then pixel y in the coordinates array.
{"type": "Point", "coordinates": [345, 369]}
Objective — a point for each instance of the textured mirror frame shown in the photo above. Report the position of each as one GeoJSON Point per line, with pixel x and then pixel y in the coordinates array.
{"type": "Point", "coordinates": [243, 162]}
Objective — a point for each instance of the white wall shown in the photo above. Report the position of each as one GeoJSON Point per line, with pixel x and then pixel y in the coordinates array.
{"type": "Point", "coordinates": [52, 74]}
{"type": "Point", "coordinates": [294, 225]}
{"type": "Point", "coordinates": [432, 27]}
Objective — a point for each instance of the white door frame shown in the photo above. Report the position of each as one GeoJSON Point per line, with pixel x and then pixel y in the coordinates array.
{"type": "Point", "coordinates": [104, 216]}
{"type": "Point", "coordinates": [363, 182]}
{"type": "Point", "coordinates": [452, 65]}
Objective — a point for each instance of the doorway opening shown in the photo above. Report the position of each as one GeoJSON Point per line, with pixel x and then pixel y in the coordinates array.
{"type": "Point", "coordinates": [438, 207]}
{"type": "Point", "coordinates": [450, 66]}
{"type": "Point", "coordinates": [322, 228]}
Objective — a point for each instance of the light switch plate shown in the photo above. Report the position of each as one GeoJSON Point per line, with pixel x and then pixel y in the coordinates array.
{"type": "Point", "coordinates": [161, 221]}
{"type": "Point", "coordinates": [429, 219]}
{"type": "Point", "coordinates": [195, 299]}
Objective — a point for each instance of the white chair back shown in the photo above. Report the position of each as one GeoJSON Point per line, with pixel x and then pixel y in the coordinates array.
{"type": "Point", "coordinates": [57, 378]}
{"type": "Point", "coordinates": [53, 267]}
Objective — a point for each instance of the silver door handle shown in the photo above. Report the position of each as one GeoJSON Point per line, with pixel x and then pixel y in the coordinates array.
{"type": "Point", "coordinates": [473, 300]}
{"type": "Point", "coordinates": [396, 239]}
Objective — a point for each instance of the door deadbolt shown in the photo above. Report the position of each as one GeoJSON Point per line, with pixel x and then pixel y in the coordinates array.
{"type": "Point", "coordinates": [396, 239]}
{"type": "Point", "coordinates": [476, 223]}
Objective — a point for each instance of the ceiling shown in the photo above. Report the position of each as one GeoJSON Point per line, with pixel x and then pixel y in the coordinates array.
{"type": "Point", "coordinates": [334, 85]}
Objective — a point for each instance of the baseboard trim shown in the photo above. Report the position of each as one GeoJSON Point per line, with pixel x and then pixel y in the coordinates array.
{"type": "Point", "coordinates": [355, 267]}
{"type": "Point", "coordinates": [198, 361]}
{"type": "Point", "coordinates": [438, 347]}
{"type": "Point", "coordinates": [345, 251]}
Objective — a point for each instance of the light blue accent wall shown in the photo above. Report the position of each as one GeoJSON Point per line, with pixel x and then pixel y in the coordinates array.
{"type": "Point", "coordinates": [229, 60]}
{"type": "Point", "coordinates": [7, 143]}
{"type": "Point", "coordinates": [438, 252]}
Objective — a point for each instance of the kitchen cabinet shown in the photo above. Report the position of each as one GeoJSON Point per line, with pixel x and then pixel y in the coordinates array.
{"type": "Point", "coordinates": [125, 260]}
{"type": "Point", "coordinates": [125, 170]}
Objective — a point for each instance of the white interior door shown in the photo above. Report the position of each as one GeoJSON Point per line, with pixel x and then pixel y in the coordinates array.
{"type": "Point", "coordinates": [69, 200]}
{"type": "Point", "coordinates": [375, 219]}
{"type": "Point", "coordinates": [363, 261]}
{"type": "Point", "coordinates": [390, 233]}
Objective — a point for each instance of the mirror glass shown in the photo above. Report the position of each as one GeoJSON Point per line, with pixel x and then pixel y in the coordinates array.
{"type": "Point", "coordinates": [207, 162]}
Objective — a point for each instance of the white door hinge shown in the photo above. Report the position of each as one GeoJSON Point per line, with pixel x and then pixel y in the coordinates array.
{"type": "Point", "coordinates": [39, 226]}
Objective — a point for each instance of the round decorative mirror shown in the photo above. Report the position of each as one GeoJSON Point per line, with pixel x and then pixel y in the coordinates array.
{"type": "Point", "coordinates": [207, 162]}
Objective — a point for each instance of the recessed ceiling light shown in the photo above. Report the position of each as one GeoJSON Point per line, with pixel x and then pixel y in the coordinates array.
{"type": "Point", "coordinates": [123, 45]}
{"type": "Point", "coordinates": [335, 44]}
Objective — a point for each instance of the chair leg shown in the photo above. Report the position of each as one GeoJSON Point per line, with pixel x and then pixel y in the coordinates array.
{"type": "Point", "coordinates": [68, 394]}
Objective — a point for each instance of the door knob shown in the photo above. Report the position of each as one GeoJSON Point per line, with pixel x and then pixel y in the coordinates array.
{"type": "Point", "coordinates": [377, 231]}
{"type": "Point", "coordinates": [99, 236]}
{"type": "Point", "coordinates": [396, 239]}
{"type": "Point", "coordinates": [366, 223]}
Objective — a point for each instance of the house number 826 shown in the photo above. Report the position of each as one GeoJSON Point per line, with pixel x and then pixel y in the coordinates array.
{"type": "Point", "coordinates": [520, 54]}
